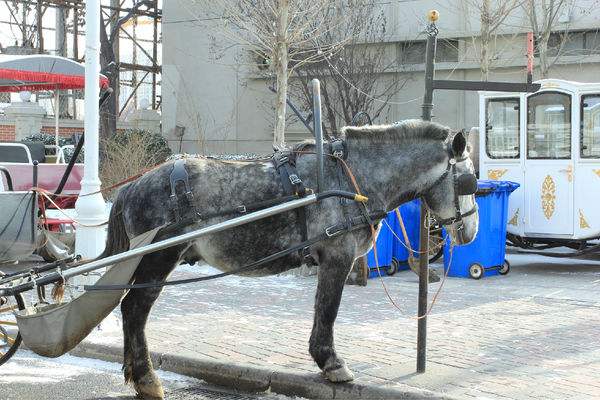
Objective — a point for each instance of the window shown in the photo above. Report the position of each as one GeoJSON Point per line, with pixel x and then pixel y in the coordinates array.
{"type": "Point", "coordinates": [549, 126]}
{"type": "Point", "coordinates": [590, 126]}
{"type": "Point", "coordinates": [414, 52]}
{"type": "Point", "coordinates": [573, 43]}
{"type": "Point", "coordinates": [502, 128]}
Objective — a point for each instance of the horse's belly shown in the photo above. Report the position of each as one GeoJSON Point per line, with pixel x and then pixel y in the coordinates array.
{"type": "Point", "coordinates": [234, 258]}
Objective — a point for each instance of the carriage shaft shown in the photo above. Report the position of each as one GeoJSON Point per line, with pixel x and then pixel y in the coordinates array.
{"type": "Point", "coordinates": [174, 241]}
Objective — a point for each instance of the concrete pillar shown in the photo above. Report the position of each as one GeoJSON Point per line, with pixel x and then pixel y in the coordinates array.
{"type": "Point", "coordinates": [27, 116]}
{"type": "Point", "coordinates": [147, 120]}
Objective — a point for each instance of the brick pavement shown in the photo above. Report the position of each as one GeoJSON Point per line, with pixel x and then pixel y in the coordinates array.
{"type": "Point", "coordinates": [530, 335]}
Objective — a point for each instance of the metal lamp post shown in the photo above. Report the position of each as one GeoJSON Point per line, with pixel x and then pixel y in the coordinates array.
{"type": "Point", "coordinates": [427, 106]}
{"type": "Point", "coordinates": [91, 210]}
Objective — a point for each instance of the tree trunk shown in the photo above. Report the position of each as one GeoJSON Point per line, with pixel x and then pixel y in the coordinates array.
{"type": "Point", "coordinates": [282, 74]}
{"type": "Point", "coordinates": [485, 39]}
{"type": "Point", "coordinates": [543, 52]}
{"type": "Point", "coordinates": [485, 58]}
{"type": "Point", "coordinates": [109, 111]}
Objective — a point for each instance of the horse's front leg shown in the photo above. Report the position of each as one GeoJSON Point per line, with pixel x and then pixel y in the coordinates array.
{"type": "Point", "coordinates": [333, 271]}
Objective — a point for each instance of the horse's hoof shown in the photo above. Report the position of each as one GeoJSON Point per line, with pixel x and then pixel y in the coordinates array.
{"type": "Point", "coordinates": [149, 387]}
{"type": "Point", "coordinates": [340, 374]}
{"type": "Point", "coordinates": [433, 276]}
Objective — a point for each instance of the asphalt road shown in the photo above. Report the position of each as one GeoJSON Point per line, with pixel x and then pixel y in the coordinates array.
{"type": "Point", "coordinates": [30, 377]}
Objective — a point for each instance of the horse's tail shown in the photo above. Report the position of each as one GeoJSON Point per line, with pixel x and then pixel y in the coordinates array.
{"type": "Point", "coordinates": [117, 240]}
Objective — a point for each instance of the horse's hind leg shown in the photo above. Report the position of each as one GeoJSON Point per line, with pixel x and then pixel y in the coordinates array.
{"type": "Point", "coordinates": [135, 307]}
{"type": "Point", "coordinates": [333, 271]}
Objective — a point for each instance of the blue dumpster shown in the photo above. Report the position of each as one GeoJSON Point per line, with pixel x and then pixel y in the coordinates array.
{"type": "Point", "coordinates": [485, 255]}
{"type": "Point", "coordinates": [384, 250]}
{"type": "Point", "coordinates": [392, 254]}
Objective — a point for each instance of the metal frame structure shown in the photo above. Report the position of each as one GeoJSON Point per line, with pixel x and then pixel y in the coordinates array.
{"type": "Point", "coordinates": [32, 35]}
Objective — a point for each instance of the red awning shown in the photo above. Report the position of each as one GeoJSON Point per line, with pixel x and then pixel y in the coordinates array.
{"type": "Point", "coordinates": [42, 72]}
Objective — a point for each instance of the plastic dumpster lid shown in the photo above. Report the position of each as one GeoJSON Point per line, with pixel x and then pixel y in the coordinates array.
{"type": "Point", "coordinates": [486, 186]}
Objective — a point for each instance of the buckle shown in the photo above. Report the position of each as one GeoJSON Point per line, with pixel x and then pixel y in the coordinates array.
{"type": "Point", "coordinates": [338, 153]}
{"type": "Point", "coordinates": [295, 179]}
{"type": "Point", "coordinates": [241, 209]}
{"type": "Point", "coordinates": [328, 231]}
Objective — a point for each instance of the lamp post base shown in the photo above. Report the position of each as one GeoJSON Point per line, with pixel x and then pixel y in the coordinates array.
{"type": "Point", "coordinates": [90, 233]}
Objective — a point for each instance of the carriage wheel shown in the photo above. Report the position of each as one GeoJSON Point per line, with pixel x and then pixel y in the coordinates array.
{"type": "Point", "coordinates": [476, 271]}
{"type": "Point", "coordinates": [505, 268]}
{"type": "Point", "coordinates": [10, 338]}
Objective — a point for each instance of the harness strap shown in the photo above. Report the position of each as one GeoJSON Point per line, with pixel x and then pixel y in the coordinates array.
{"type": "Point", "coordinates": [179, 174]}
{"type": "Point", "coordinates": [285, 165]}
{"type": "Point", "coordinates": [347, 226]}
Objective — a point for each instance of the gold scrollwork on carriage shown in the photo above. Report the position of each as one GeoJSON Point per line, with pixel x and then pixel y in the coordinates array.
{"type": "Point", "coordinates": [495, 174]}
{"type": "Point", "coordinates": [548, 196]}
{"type": "Point", "coordinates": [583, 224]}
{"type": "Point", "coordinates": [515, 219]}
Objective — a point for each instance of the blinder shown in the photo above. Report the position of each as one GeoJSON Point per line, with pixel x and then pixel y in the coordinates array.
{"type": "Point", "coordinates": [466, 184]}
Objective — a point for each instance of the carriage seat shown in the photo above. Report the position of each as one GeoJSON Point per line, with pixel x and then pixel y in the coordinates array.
{"type": "Point", "coordinates": [22, 152]}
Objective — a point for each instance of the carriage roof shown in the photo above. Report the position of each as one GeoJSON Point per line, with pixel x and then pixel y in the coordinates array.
{"type": "Point", "coordinates": [549, 84]}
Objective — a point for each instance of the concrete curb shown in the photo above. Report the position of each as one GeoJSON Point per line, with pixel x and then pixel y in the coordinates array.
{"type": "Point", "coordinates": [257, 379]}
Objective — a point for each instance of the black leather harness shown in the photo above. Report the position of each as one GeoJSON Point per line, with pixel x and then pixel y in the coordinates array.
{"type": "Point", "coordinates": [285, 164]}
{"type": "Point", "coordinates": [350, 225]}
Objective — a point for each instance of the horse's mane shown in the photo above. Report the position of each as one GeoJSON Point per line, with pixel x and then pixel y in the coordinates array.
{"type": "Point", "coordinates": [305, 145]}
{"type": "Point", "coordinates": [405, 130]}
{"type": "Point", "coordinates": [410, 129]}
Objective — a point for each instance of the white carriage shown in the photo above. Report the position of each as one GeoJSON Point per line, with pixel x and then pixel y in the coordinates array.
{"type": "Point", "coordinates": [549, 142]}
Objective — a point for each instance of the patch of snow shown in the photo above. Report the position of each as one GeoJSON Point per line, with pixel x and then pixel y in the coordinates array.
{"type": "Point", "coordinates": [27, 367]}
{"type": "Point", "coordinates": [109, 331]}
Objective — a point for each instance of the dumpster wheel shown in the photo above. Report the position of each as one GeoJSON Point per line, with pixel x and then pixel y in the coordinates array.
{"type": "Point", "coordinates": [505, 268]}
{"type": "Point", "coordinates": [392, 268]}
{"type": "Point", "coordinates": [476, 271]}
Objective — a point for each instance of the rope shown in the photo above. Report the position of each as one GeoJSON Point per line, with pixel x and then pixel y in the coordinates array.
{"type": "Point", "coordinates": [112, 187]}
{"type": "Point", "coordinates": [46, 194]}
{"type": "Point", "coordinates": [406, 240]}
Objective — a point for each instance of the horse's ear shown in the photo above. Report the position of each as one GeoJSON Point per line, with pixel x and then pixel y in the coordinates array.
{"type": "Point", "coordinates": [459, 144]}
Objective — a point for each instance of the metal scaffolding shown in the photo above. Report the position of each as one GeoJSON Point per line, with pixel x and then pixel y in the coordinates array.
{"type": "Point", "coordinates": [122, 20]}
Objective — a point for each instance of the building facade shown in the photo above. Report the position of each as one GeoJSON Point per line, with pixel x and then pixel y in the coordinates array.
{"type": "Point", "coordinates": [213, 103]}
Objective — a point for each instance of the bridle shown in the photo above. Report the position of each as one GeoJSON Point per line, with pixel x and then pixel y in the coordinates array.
{"type": "Point", "coordinates": [464, 185]}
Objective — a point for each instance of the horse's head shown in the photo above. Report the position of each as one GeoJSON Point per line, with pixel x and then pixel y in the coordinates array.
{"type": "Point", "coordinates": [452, 197]}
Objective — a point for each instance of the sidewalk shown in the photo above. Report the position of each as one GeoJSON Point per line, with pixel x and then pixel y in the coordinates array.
{"type": "Point", "coordinates": [533, 334]}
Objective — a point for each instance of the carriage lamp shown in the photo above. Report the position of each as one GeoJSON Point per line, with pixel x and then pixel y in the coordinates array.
{"type": "Point", "coordinates": [433, 15]}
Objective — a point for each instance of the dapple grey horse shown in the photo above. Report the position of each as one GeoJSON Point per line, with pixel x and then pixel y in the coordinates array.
{"type": "Point", "coordinates": [392, 164]}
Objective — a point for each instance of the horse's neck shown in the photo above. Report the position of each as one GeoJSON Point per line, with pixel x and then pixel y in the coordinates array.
{"type": "Point", "coordinates": [391, 175]}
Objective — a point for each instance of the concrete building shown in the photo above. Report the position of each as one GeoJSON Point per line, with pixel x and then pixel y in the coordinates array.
{"type": "Point", "coordinates": [216, 105]}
